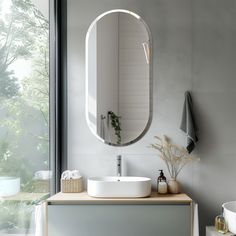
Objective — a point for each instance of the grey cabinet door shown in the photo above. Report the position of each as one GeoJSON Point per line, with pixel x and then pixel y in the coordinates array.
{"type": "Point", "coordinates": [119, 220]}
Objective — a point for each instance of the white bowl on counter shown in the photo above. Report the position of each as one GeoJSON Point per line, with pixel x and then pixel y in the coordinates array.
{"type": "Point", "coordinates": [230, 215]}
{"type": "Point", "coordinates": [119, 187]}
{"type": "Point", "coordinates": [9, 186]}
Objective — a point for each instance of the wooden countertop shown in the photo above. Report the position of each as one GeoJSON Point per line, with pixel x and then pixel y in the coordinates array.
{"type": "Point", "coordinates": [83, 198]}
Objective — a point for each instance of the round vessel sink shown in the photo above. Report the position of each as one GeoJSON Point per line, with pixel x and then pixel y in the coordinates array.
{"type": "Point", "coordinates": [112, 186]}
{"type": "Point", "coordinates": [230, 215]}
{"type": "Point", "coordinates": [9, 186]}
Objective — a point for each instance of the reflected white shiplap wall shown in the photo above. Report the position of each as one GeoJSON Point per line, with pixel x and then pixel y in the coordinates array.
{"type": "Point", "coordinates": [107, 70]}
{"type": "Point", "coordinates": [92, 81]}
{"type": "Point", "coordinates": [133, 77]}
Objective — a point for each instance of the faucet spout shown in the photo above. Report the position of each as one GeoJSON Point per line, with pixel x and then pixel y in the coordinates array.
{"type": "Point", "coordinates": [118, 165]}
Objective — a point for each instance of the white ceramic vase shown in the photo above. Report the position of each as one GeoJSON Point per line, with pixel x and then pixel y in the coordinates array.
{"type": "Point", "coordinates": [173, 186]}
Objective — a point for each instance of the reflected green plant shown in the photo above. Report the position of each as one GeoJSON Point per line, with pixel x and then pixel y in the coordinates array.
{"type": "Point", "coordinates": [116, 125]}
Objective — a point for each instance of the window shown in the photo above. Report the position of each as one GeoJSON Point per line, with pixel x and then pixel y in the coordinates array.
{"type": "Point", "coordinates": [24, 113]}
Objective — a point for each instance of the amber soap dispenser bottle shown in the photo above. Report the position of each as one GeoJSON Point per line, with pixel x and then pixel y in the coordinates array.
{"type": "Point", "coordinates": [161, 183]}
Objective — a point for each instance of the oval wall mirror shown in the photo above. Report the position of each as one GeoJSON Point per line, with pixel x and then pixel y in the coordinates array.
{"type": "Point", "coordinates": [118, 77]}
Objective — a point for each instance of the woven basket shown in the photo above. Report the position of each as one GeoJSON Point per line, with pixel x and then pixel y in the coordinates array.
{"type": "Point", "coordinates": [72, 185]}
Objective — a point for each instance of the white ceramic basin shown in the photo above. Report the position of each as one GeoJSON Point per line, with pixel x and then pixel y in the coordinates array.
{"type": "Point", "coordinates": [127, 187]}
{"type": "Point", "coordinates": [9, 186]}
{"type": "Point", "coordinates": [230, 215]}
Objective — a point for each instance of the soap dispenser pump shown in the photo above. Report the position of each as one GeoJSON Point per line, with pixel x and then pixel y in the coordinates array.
{"type": "Point", "coordinates": [161, 183]}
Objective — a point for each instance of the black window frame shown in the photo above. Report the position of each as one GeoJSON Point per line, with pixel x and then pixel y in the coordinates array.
{"type": "Point", "coordinates": [58, 91]}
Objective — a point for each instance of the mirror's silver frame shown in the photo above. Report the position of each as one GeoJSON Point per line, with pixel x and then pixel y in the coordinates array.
{"type": "Point", "coordinates": [150, 78]}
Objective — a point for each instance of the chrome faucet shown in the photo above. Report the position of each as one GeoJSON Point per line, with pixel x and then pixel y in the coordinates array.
{"type": "Point", "coordinates": [118, 165]}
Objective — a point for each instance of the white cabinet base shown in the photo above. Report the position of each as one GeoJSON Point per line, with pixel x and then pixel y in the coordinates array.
{"type": "Point", "coordinates": [211, 231]}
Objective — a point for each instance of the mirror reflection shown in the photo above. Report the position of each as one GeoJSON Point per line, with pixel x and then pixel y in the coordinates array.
{"type": "Point", "coordinates": [118, 83]}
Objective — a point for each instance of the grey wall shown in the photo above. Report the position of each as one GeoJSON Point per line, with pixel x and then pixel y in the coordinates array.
{"type": "Point", "coordinates": [193, 49]}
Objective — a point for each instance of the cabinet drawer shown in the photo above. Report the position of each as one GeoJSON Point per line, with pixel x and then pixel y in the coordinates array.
{"type": "Point", "coordinates": [119, 220]}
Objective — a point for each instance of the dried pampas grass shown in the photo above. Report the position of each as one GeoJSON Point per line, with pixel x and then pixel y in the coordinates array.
{"type": "Point", "coordinates": [174, 156]}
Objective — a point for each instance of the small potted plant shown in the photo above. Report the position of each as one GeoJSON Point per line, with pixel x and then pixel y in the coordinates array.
{"type": "Point", "coordinates": [175, 158]}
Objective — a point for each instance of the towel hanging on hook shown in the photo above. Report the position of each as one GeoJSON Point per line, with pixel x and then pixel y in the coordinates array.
{"type": "Point", "coordinates": [188, 123]}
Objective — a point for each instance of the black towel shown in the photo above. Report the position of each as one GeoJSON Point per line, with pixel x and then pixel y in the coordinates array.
{"type": "Point", "coordinates": [188, 123]}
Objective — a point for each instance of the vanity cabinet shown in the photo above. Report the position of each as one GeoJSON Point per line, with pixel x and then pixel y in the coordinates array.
{"type": "Point", "coordinates": [80, 215]}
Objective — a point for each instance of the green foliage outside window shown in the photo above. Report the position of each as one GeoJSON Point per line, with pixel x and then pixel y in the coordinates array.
{"type": "Point", "coordinates": [24, 109]}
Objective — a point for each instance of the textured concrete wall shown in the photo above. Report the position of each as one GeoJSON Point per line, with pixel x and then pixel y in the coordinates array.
{"type": "Point", "coordinates": [193, 49]}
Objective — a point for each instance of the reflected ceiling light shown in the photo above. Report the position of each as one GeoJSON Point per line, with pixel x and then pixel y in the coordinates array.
{"type": "Point", "coordinates": [146, 51]}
